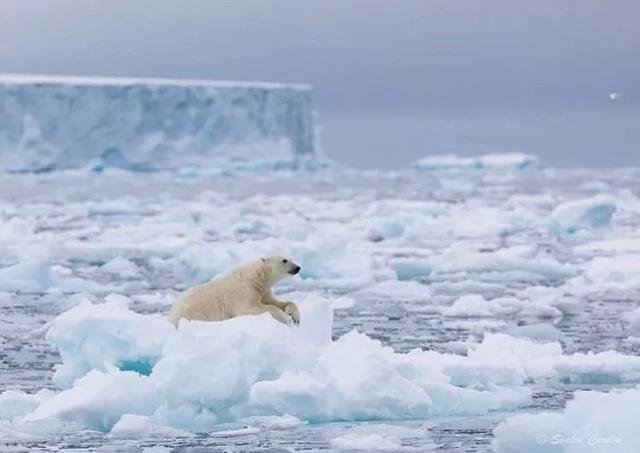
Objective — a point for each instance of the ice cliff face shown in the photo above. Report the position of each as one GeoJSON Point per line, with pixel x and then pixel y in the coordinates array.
{"type": "Point", "coordinates": [144, 124]}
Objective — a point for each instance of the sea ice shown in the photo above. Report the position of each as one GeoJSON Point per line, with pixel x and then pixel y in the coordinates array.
{"type": "Point", "coordinates": [120, 363]}
{"type": "Point", "coordinates": [112, 366]}
{"type": "Point", "coordinates": [36, 276]}
{"type": "Point", "coordinates": [122, 267]}
{"type": "Point", "coordinates": [15, 404]}
{"type": "Point", "coordinates": [601, 274]}
{"type": "Point", "coordinates": [397, 290]}
{"type": "Point", "coordinates": [588, 214]}
{"type": "Point", "coordinates": [105, 336]}
{"type": "Point", "coordinates": [538, 360]}
{"type": "Point", "coordinates": [378, 437]}
{"type": "Point", "coordinates": [592, 421]}
{"type": "Point", "coordinates": [503, 161]}
{"type": "Point", "coordinates": [366, 442]}
{"type": "Point", "coordinates": [131, 426]}
{"type": "Point", "coordinates": [459, 260]}
{"type": "Point", "coordinates": [31, 276]}
{"type": "Point", "coordinates": [471, 305]}
{"type": "Point", "coordinates": [384, 228]}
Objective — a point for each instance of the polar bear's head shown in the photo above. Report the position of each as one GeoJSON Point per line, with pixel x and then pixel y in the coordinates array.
{"type": "Point", "coordinates": [280, 267]}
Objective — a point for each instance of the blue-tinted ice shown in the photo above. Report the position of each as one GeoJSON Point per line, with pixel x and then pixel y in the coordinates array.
{"type": "Point", "coordinates": [499, 279]}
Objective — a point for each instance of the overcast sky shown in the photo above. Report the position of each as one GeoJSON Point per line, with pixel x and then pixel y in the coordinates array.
{"type": "Point", "coordinates": [393, 80]}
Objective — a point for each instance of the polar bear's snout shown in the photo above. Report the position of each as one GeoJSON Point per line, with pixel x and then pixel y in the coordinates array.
{"type": "Point", "coordinates": [295, 270]}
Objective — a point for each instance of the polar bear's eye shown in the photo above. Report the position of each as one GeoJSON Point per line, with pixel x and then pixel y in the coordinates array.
{"type": "Point", "coordinates": [285, 261]}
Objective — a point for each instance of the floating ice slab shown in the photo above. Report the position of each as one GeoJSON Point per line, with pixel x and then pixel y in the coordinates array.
{"type": "Point", "coordinates": [380, 437]}
{"type": "Point", "coordinates": [474, 305]}
{"type": "Point", "coordinates": [38, 276]}
{"type": "Point", "coordinates": [538, 360]}
{"type": "Point", "coordinates": [607, 274]}
{"type": "Point", "coordinates": [366, 442]}
{"type": "Point", "coordinates": [592, 421]}
{"type": "Point", "coordinates": [384, 228]}
{"type": "Point", "coordinates": [131, 426]}
{"type": "Point", "coordinates": [15, 404]}
{"type": "Point", "coordinates": [588, 214]}
{"type": "Point", "coordinates": [30, 276]}
{"type": "Point", "coordinates": [117, 362]}
{"type": "Point", "coordinates": [114, 339]}
{"type": "Point", "coordinates": [145, 124]}
{"type": "Point", "coordinates": [397, 290]}
{"type": "Point", "coordinates": [504, 161]}
{"type": "Point", "coordinates": [518, 263]}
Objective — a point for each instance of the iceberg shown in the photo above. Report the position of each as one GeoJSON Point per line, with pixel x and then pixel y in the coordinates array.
{"type": "Point", "coordinates": [150, 124]}
{"type": "Point", "coordinates": [495, 161]}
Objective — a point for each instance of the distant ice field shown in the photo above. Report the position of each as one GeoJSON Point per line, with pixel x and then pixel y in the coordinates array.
{"type": "Point", "coordinates": [461, 305]}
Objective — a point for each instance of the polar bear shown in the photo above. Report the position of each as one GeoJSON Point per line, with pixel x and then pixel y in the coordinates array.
{"type": "Point", "coordinates": [244, 291]}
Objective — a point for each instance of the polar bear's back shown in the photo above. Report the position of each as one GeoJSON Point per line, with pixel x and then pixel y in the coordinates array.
{"type": "Point", "coordinates": [204, 302]}
{"type": "Point", "coordinates": [219, 299]}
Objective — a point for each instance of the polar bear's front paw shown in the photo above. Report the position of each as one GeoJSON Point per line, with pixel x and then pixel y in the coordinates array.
{"type": "Point", "coordinates": [292, 310]}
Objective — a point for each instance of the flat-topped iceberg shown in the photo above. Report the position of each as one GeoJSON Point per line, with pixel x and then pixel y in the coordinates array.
{"type": "Point", "coordinates": [52, 122]}
{"type": "Point", "coordinates": [496, 161]}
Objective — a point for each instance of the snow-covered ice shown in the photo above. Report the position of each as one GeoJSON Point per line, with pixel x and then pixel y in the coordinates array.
{"type": "Point", "coordinates": [269, 369]}
{"type": "Point", "coordinates": [504, 161]}
{"type": "Point", "coordinates": [436, 301]}
{"type": "Point", "coordinates": [588, 214]}
{"type": "Point", "coordinates": [112, 368]}
{"type": "Point", "coordinates": [592, 421]}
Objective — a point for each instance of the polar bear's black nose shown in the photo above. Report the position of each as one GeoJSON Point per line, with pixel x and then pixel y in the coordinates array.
{"type": "Point", "coordinates": [295, 270]}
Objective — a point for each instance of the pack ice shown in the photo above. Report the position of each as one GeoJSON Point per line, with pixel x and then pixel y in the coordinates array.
{"type": "Point", "coordinates": [119, 365]}
{"type": "Point", "coordinates": [494, 161]}
{"type": "Point", "coordinates": [593, 421]}
{"type": "Point", "coordinates": [150, 124]}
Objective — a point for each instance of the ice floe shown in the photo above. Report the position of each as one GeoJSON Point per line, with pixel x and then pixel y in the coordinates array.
{"type": "Point", "coordinates": [592, 421]}
{"type": "Point", "coordinates": [459, 260]}
{"type": "Point", "coordinates": [602, 274]}
{"type": "Point", "coordinates": [124, 372]}
{"type": "Point", "coordinates": [126, 363]}
{"type": "Point", "coordinates": [36, 276]}
{"type": "Point", "coordinates": [503, 161]}
{"type": "Point", "coordinates": [587, 214]}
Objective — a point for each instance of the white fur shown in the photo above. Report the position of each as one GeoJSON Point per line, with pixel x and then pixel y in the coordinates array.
{"type": "Point", "coordinates": [244, 291]}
